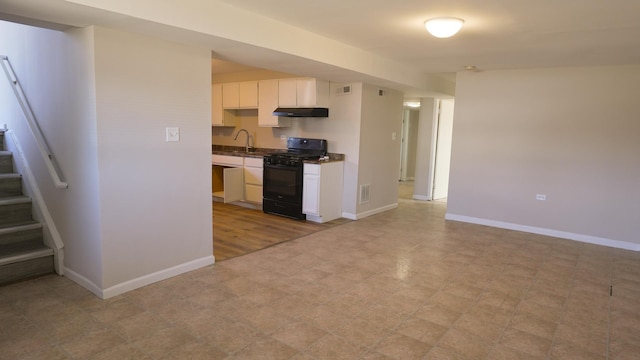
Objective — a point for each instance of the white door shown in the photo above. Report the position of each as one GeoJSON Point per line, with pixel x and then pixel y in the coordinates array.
{"type": "Point", "coordinates": [443, 149]}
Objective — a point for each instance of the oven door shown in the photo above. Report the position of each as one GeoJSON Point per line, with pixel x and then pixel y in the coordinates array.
{"type": "Point", "coordinates": [282, 183]}
{"type": "Point", "coordinates": [282, 190]}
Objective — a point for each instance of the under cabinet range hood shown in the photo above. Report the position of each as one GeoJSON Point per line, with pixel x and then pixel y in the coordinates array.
{"type": "Point", "coordinates": [302, 112]}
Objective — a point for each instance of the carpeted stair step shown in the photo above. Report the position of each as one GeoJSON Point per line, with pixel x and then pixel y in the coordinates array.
{"type": "Point", "coordinates": [15, 210]}
{"type": "Point", "coordinates": [24, 260]}
{"type": "Point", "coordinates": [10, 184]}
{"type": "Point", "coordinates": [6, 162]}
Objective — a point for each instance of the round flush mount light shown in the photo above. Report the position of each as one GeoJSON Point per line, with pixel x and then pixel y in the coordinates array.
{"type": "Point", "coordinates": [443, 27]}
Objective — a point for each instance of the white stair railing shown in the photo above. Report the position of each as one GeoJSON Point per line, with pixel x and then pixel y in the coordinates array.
{"type": "Point", "coordinates": [33, 124]}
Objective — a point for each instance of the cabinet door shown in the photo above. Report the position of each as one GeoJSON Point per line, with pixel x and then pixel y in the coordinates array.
{"type": "Point", "coordinates": [233, 184]}
{"type": "Point", "coordinates": [287, 92]}
{"type": "Point", "coordinates": [230, 96]}
{"type": "Point", "coordinates": [248, 94]}
{"type": "Point", "coordinates": [306, 92]}
{"type": "Point", "coordinates": [268, 101]}
{"type": "Point", "coordinates": [253, 175]}
{"type": "Point", "coordinates": [217, 114]}
{"type": "Point", "coordinates": [311, 195]}
{"type": "Point", "coordinates": [253, 193]}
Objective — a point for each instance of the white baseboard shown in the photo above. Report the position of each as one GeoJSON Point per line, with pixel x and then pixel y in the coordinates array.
{"type": "Point", "coordinates": [421, 197]}
{"type": "Point", "coordinates": [362, 215]}
{"type": "Point", "coordinates": [83, 281]}
{"type": "Point", "coordinates": [547, 232]}
{"type": "Point", "coordinates": [141, 281]}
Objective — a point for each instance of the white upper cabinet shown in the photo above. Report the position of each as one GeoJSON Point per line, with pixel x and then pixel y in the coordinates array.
{"type": "Point", "coordinates": [219, 117]}
{"type": "Point", "coordinates": [240, 95]}
{"type": "Point", "coordinates": [248, 94]}
{"type": "Point", "coordinates": [266, 96]}
{"type": "Point", "coordinates": [268, 103]}
{"type": "Point", "coordinates": [287, 93]}
{"type": "Point", "coordinates": [230, 96]}
{"type": "Point", "coordinates": [303, 92]}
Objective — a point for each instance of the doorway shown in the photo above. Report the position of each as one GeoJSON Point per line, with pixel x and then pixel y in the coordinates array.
{"type": "Point", "coordinates": [443, 133]}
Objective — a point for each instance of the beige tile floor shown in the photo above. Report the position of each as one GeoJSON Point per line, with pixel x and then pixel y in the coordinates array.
{"type": "Point", "coordinates": [400, 285]}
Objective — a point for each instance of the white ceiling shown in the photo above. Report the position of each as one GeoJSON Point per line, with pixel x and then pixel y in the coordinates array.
{"type": "Point", "coordinates": [498, 34]}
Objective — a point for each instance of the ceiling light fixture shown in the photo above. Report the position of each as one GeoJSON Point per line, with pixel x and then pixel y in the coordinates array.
{"type": "Point", "coordinates": [443, 27]}
{"type": "Point", "coordinates": [412, 104]}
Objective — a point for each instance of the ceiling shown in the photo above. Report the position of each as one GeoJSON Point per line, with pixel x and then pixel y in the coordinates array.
{"type": "Point", "coordinates": [497, 34]}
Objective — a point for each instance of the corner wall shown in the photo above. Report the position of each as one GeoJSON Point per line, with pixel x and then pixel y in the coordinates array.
{"type": "Point", "coordinates": [380, 136]}
{"type": "Point", "coordinates": [138, 209]}
{"type": "Point", "coordinates": [155, 196]}
{"type": "Point", "coordinates": [571, 134]}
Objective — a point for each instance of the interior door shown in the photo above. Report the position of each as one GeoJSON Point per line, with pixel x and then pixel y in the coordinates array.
{"type": "Point", "coordinates": [443, 149]}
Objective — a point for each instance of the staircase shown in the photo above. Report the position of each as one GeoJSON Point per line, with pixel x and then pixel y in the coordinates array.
{"type": "Point", "coordinates": [23, 254]}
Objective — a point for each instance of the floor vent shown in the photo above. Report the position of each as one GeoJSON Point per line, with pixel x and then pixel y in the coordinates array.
{"type": "Point", "coordinates": [364, 193]}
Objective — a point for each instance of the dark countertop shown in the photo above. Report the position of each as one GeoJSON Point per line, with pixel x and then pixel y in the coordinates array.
{"type": "Point", "coordinates": [241, 151]}
{"type": "Point", "coordinates": [261, 152]}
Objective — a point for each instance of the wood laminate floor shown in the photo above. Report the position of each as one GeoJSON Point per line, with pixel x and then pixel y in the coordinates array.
{"type": "Point", "coordinates": [238, 230]}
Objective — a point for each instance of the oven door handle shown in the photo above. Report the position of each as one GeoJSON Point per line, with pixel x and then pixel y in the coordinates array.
{"type": "Point", "coordinates": [279, 166]}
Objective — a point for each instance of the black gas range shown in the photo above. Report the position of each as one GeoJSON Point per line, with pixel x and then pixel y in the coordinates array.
{"type": "Point", "coordinates": [282, 176]}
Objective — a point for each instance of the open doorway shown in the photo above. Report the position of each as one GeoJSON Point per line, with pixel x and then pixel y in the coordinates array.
{"type": "Point", "coordinates": [434, 131]}
{"type": "Point", "coordinates": [443, 132]}
{"type": "Point", "coordinates": [408, 150]}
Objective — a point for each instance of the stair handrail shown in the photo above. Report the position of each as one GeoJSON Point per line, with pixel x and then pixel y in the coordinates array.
{"type": "Point", "coordinates": [33, 124]}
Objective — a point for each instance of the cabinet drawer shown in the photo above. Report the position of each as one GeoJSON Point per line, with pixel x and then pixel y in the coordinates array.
{"type": "Point", "coordinates": [227, 160]}
{"type": "Point", "coordinates": [253, 175]}
{"type": "Point", "coordinates": [253, 193]}
{"type": "Point", "coordinates": [254, 162]}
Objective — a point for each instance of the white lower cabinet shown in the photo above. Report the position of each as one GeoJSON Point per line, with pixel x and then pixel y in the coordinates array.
{"type": "Point", "coordinates": [227, 183]}
{"type": "Point", "coordinates": [236, 178]}
{"type": "Point", "coordinates": [253, 180]}
{"type": "Point", "coordinates": [322, 191]}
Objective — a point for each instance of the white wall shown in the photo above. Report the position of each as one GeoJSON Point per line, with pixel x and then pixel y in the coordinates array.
{"type": "Point", "coordinates": [155, 203]}
{"type": "Point", "coordinates": [379, 151]}
{"type": "Point", "coordinates": [138, 209]}
{"type": "Point", "coordinates": [56, 72]}
{"type": "Point", "coordinates": [569, 133]}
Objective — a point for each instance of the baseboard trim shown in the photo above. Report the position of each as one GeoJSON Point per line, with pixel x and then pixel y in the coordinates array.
{"type": "Point", "coordinates": [141, 281]}
{"type": "Point", "coordinates": [421, 197]}
{"type": "Point", "coordinates": [83, 281]}
{"type": "Point", "coordinates": [362, 215]}
{"type": "Point", "coordinates": [547, 232]}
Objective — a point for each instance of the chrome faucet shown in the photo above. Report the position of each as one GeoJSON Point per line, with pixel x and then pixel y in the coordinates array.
{"type": "Point", "coordinates": [249, 139]}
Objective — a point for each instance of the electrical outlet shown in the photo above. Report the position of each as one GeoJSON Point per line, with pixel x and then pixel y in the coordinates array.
{"type": "Point", "coordinates": [541, 197]}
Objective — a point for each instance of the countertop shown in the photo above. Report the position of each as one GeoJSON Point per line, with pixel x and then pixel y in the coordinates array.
{"type": "Point", "coordinates": [261, 152]}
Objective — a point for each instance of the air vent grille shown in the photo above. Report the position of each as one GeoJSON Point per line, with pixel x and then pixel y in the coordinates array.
{"type": "Point", "coordinates": [344, 90]}
{"type": "Point", "coordinates": [364, 193]}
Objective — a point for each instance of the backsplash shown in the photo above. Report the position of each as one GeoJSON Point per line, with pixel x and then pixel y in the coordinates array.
{"type": "Point", "coordinates": [263, 137]}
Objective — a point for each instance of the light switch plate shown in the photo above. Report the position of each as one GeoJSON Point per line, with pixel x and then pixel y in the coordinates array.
{"type": "Point", "coordinates": [173, 134]}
